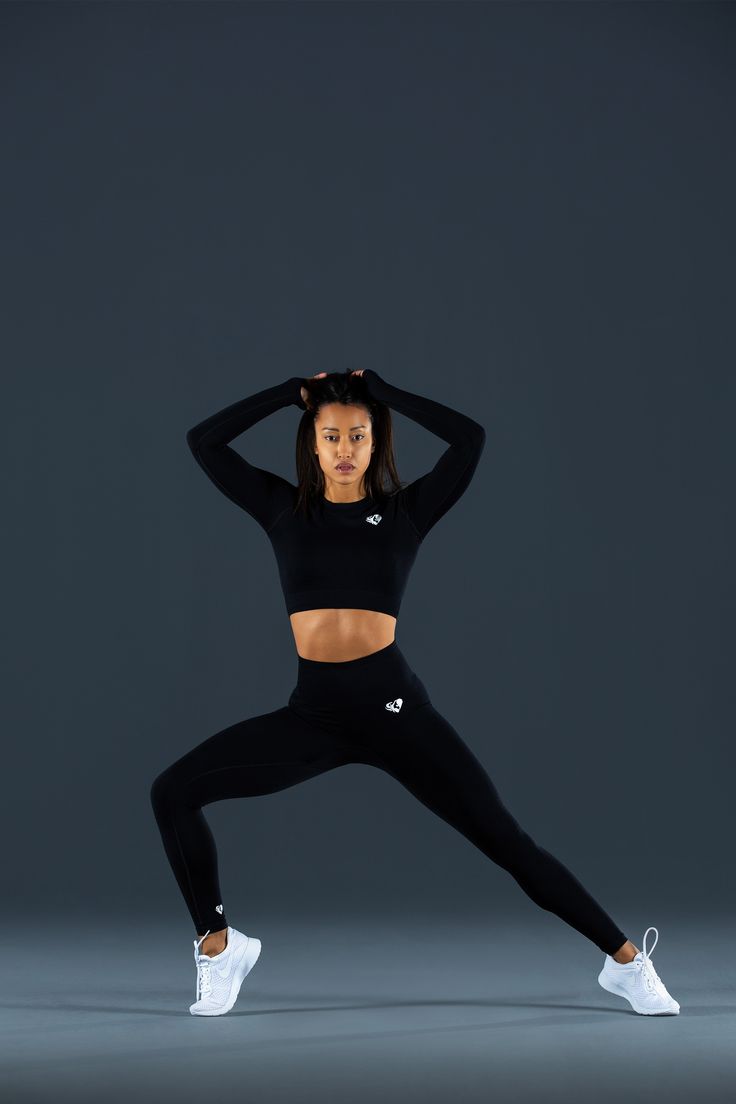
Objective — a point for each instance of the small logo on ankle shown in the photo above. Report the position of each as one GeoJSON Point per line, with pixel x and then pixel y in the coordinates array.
{"type": "Point", "coordinates": [218, 908]}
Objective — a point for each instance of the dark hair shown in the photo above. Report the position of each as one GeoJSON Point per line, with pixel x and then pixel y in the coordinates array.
{"type": "Point", "coordinates": [342, 387]}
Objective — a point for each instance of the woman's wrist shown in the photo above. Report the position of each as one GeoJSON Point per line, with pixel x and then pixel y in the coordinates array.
{"type": "Point", "coordinates": [374, 382]}
{"type": "Point", "coordinates": [296, 383]}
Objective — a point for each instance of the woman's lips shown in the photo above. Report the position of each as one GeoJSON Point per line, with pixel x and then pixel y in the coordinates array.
{"type": "Point", "coordinates": [345, 467]}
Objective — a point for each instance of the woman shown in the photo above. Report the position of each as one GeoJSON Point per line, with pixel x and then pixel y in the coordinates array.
{"type": "Point", "coordinates": [345, 540]}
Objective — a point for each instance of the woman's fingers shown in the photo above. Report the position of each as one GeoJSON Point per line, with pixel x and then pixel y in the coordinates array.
{"type": "Point", "coordinates": [304, 392]}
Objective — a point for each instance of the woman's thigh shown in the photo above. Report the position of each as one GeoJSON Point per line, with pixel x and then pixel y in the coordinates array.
{"type": "Point", "coordinates": [431, 760]}
{"type": "Point", "coordinates": [259, 755]}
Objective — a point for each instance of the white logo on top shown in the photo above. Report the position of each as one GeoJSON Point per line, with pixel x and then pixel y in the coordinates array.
{"type": "Point", "coordinates": [374, 519]}
{"type": "Point", "coordinates": [395, 705]}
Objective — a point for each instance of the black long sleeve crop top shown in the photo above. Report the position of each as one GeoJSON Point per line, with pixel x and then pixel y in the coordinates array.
{"type": "Point", "coordinates": [345, 555]}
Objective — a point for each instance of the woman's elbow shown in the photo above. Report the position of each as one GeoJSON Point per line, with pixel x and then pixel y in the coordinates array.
{"type": "Point", "coordinates": [477, 436]}
{"type": "Point", "coordinates": [194, 439]}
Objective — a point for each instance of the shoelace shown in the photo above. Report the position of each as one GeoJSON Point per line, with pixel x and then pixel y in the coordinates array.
{"type": "Point", "coordinates": [652, 980]}
{"type": "Point", "coordinates": [202, 962]}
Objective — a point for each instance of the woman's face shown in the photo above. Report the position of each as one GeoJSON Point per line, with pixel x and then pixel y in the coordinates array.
{"type": "Point", "coordinates": [343, 436]}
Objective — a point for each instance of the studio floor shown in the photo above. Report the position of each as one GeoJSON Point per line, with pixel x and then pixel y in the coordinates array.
{"type": "Point", "coordinates": [420, 1008]}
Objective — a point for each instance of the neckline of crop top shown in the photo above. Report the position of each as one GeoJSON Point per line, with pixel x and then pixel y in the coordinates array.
{"type": "Point", "coordinates": [355, 502]}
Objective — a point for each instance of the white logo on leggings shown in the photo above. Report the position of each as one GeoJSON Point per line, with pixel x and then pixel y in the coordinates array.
{"type": "Point", "coordinates": [218, 908]}
{"type": "Point", "coordinates": [374, 519]}
{"type": "Point", "coordinates": [395, 705]}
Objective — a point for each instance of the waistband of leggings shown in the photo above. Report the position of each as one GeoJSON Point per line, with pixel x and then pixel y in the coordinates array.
{"type": "Point", "coordinates": [354, 666]}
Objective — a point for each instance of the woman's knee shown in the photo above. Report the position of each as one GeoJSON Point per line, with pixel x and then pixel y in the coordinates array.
{"type": "Point", "coordinates": [166, 789]}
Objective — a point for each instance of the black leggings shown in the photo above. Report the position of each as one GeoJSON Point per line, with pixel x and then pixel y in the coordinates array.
{"type": "Point", "coordinates": [373, 710]}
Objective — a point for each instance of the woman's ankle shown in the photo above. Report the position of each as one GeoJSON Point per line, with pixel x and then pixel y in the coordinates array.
{"type": "Point", "coordinates": [214, 944]}
{"type": "Point", "coordinates": [626, 953]}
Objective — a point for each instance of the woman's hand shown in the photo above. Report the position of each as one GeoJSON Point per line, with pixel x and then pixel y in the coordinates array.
{"type": "Point", "coordinates": [305, 393]}
{"type": "Point", "coordinates": [358, 372]}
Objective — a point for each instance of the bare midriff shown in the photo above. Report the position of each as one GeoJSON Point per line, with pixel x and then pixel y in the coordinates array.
{"type": "Point", "coordinates": [336, 635]}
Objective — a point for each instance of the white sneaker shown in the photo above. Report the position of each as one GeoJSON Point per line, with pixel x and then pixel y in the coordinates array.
{"type": "Point", "coordinates": [219, 978]}
{"type": "Point", "coordinates": [639, 983]}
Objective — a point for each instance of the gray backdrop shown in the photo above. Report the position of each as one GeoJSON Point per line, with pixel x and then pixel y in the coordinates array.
{"type": "Point", "coordinates": [523, 210]}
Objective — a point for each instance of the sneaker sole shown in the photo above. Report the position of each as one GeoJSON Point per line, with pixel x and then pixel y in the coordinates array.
{"type": "Point", "coordinates": [606, 982]}
{"type": "Point", "coordinates": [247, 962]}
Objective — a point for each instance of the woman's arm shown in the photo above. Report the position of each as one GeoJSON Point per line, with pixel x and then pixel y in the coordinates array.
{"type": "Point", "coordinates": [262, 494]}
{"type": "Point", "coordinates": [432, 494]}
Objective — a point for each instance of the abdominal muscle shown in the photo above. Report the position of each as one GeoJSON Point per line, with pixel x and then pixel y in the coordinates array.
{"type": "Point", "coordinates": [336, 635]}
